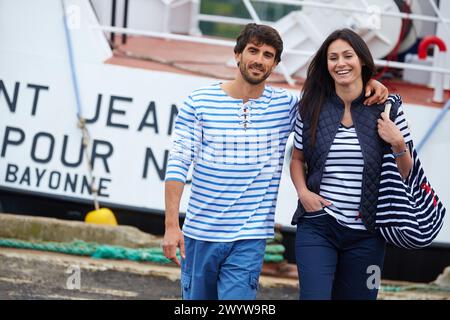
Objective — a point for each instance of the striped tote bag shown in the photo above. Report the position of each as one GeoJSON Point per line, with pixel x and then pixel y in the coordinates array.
{"type": "Point", "coordinates": [409, 213]}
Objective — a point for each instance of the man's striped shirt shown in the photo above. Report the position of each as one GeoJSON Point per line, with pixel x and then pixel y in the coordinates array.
{"type": "Point", "coordinates": [237, 152]}
{"type": "Point", "coordinates": [342, 176]}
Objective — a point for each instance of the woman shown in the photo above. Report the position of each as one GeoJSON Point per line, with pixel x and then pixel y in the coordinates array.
{"type": "Point", "coordinates": [341, 142]}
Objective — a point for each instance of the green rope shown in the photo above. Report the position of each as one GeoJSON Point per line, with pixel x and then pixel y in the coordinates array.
{"type": "Point", "coordinates": [273, 257]}
{"type": "Point", "coordinates": [275, 248]}
{"type": "Point", "coordinates": [93, 250]}
{"type": "Point", "coordinates": [98, 251]}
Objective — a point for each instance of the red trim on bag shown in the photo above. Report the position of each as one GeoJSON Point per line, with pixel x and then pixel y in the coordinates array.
{"type": "Point", "coordinates": [358, 216]}
{"type": "Point", "coordinates": [428, 189]}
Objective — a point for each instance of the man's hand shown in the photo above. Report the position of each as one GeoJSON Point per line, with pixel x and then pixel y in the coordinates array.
{"type": "Point", "coordinates": [173, 239]}
{"type": "Point", "coordinates": [376, 93]}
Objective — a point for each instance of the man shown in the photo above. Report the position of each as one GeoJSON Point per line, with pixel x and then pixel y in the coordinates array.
{"type": "Point", "coordinates": [235, 135]}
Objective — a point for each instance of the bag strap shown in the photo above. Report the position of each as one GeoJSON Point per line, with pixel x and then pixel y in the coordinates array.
{"type": "Point", "coordinates": [391, 105]}
{"type": "Point", "coordinates": [393, 102]}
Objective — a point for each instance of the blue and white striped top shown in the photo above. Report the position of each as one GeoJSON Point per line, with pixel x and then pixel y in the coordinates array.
{"type": "Point", "coordinates": [342, 176]}
{"type": "Point", "coordinates": [237, 152]}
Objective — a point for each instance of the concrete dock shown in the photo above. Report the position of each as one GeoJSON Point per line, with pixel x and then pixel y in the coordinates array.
{"type": "Point", "coordinates": [32, 274]}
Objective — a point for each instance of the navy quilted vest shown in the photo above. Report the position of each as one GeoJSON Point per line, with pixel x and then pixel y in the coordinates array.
{"type": "Point", "coordinates": [372, 146]}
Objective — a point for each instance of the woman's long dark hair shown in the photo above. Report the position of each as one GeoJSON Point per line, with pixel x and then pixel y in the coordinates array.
{"type": "Point", "coordinates": [319, 84]}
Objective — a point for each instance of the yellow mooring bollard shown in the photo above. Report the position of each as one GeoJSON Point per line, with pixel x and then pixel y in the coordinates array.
{"type": "Point", "coordinates": [101, 216]}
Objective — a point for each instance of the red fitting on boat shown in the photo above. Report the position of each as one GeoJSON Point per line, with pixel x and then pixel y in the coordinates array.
{"type": "Point", "coordinates": [426, 42]}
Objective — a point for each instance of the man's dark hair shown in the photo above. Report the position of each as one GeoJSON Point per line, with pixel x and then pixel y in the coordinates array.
{"type": "Point", "coordinates": [259, 34]}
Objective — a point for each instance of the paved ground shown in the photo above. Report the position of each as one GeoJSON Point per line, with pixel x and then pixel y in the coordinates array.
{"type": "Point", "coordinates": [32, 275]}
{"type": "Point", "coordinates": [28, 274]}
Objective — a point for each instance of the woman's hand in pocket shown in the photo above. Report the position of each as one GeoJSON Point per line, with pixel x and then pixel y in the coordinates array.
{"type": "Point", "coordinates": [312, 201]}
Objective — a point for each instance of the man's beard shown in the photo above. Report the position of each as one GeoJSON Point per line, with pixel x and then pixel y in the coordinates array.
{"type": "Point", "coordinates": [247, 77]}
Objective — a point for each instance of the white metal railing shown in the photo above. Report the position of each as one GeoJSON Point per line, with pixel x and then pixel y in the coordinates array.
{"type": "Point", "coordinates": [228, 20]}
{"type": "Point", "coordinates": [255, 18]}
{"type": "Point", "coordinates": [440, 17]}
{"type": "Point", "coordinates": [229, 43]}
{"type": "Point", "coordinates": [439, 84]}
{"type": "Point", "coordinates": [322, 5]}
{"type": "Point", "coordinates": [300, 3]}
